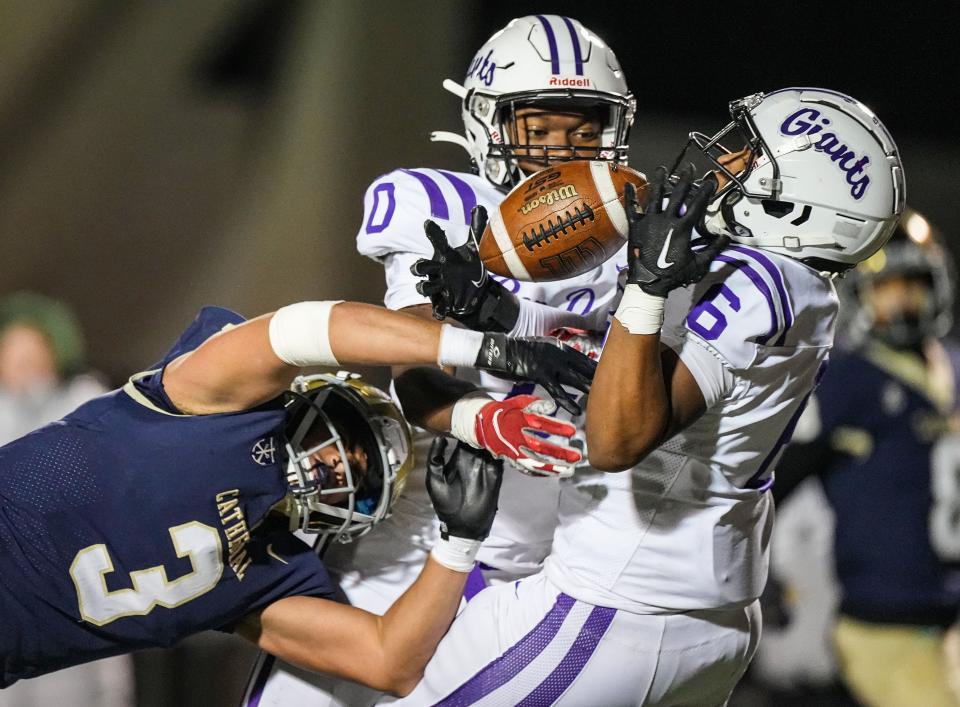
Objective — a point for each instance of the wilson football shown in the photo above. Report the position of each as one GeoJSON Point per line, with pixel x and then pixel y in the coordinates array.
{"type": "Point", "coordinates": [560, 222]}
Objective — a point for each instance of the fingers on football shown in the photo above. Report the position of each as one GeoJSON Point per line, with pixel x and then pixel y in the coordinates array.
{"type": "Point", "coordinates": [680, 191]}
{"type": "Point", "coordinates": [630, 203]}
{"type": "Point", "coordinates": [436, 236]}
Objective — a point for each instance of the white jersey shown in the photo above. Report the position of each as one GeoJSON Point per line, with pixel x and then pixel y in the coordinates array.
{"type": "Point", "coordinates": [688, 528]}
{"type": "Point", "coordinates": [395, 208]}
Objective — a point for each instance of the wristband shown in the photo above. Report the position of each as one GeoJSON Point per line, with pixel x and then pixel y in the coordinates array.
{"type": "Point", "coordinates": [463, 417]}
{"type": "Point", "coordinates": [457, 554]}
{"type": "Point", "coordinates": [639, 312]}
{"type": "Point", "coordinates": [459, 347]}
{"type": "Point", "coordinates": [300, 334]}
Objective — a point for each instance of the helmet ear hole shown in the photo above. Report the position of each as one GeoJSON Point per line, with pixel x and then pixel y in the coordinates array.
{"type": "Point", "coordinates": [777, 209]}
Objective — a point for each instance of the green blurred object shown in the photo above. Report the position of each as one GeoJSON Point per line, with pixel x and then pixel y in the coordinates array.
{"type": "Point", "coordinates": [54, 319]}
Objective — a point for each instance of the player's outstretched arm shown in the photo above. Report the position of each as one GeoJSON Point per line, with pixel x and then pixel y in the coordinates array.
{"type": "Point", "coordinates": [249, 364]}
{"type": "Point", "coordinates": [643, 394]}
{"type": "Point", "coordinates": [389, 652]}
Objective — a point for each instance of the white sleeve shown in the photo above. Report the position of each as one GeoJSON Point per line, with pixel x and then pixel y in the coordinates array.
{"type": "Point", "coordinates": [714, 379]}
{"type": "Point", "coordinates": [401, 283]}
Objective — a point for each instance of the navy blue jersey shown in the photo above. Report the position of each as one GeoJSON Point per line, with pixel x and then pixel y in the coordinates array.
{"type": "Point", "coordinates": [128, 525]}
{"type": "Point", "coordinates": [890, 471]}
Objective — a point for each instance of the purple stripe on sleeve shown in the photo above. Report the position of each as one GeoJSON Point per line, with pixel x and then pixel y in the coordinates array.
{"type": "Point", "coordinates": [514, 659]}
{"type": "Point", "coordinates": [438, 205]}
{"type": "Point", "coordinates": [777, 276]}
{"type": "Point", "coordinates": [466, 194]}
{"type": "Point", "coordinates": [764, 289]}
{"type": "Point", "coordinates": [577, 57]}
{"type": "Point", "coordinates": [552, 41]}
{"type": "Point", "coordinates": [263, 668]}
{"type": "Point", "coordinates": [560, 679]}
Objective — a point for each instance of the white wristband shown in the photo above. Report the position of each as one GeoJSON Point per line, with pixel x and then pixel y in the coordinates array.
{"type": "Point", "coordinates": [459, 347]}
{"type": "Point", "coordinates": [300, 334]}
{"type": "Point", "coordinates": [639, 312]}
{"type": "Point", "coordinates": [457, 554]}
{"type": "Point", "coordinates": [463, 418]}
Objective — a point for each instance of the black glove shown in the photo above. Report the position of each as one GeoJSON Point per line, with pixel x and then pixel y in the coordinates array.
{"type": "Point", "coordinates": [539, 360]}
{"type": "Point", "coordinates": [463, 489]}
{"type": "Point", "coordinates": [459, 285]}
{"type": "Point", "coordinates": [659, 255]}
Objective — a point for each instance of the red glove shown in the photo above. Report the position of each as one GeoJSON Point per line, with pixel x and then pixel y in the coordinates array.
{"type": "Point", "coordinates": [502, 429]}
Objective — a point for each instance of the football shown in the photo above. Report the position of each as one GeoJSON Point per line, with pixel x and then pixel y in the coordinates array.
{"type": "Point", "coordinates": [560, 222]}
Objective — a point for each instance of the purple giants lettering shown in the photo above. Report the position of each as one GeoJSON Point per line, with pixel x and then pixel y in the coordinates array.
{"type": "Point", "coordinates": [809, 121]}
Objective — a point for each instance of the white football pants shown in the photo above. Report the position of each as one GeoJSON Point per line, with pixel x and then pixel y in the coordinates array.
{"type": "Point", "coordinates": [527, 643]}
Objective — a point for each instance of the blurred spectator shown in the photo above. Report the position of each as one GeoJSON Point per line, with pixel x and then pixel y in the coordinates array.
{"type": "Point", "coordinates": [41, 380]}
{"type": "Point", "coordinates": [881, 434]}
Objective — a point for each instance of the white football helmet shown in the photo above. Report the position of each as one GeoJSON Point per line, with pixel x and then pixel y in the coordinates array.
{"type": "Point", "coordinates": [539, 59]}
{"type": "Point", "coordinates": [823, 184]}
{"type": "Point", "coordinates": [326, 410]}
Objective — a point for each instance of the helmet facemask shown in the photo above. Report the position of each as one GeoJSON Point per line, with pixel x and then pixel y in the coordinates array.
{"type": "Point", "coordinates": [348, 502]}
{"type": "Point", "coordinates": [818, 179]}
{"type": "Point", "coordinates": [507, 148]}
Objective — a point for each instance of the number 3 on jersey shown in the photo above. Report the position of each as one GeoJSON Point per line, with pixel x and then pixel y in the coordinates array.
{"type": "Point", "coordinates": [196, 541]}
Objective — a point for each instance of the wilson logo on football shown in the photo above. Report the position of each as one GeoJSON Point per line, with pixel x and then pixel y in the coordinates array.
{"type": "Point", "coordinates": [567, 191]}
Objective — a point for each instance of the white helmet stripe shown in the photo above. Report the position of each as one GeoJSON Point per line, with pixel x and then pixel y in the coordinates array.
{"type": "Point", "coordinates": [510, 257]}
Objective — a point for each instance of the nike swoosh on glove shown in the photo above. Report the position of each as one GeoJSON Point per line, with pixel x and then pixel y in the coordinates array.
{"type": "Point", "coordinates": [659, 255]}
{"type": "Point", "coordinates": [504, 429]}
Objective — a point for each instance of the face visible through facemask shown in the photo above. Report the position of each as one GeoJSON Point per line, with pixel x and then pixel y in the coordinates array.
{"type": "Point", "coordinates": [570, 133]}
{"type": "Point", "coordinates": [330, 464]}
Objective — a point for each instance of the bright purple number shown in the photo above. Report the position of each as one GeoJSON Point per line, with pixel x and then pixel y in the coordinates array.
{"type": "Point", "coordinates": [386, 187]}
{"type": "Point", "coordinates": [706, 306]}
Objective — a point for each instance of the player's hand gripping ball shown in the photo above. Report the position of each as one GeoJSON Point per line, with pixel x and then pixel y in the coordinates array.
{"type": "Point", "coordinates": [560, 222]}
{"type": "Point", "coordinates": [660, 257]}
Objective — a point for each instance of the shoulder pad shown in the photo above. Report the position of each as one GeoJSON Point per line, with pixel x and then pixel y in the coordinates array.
{"type": "Point", "coordinates": [396, 205]}
{"type": "Point", "coordinates": [739, 307]}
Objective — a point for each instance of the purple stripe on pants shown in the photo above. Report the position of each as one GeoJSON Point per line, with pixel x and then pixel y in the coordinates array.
{"type": "Point", "coordinates": [467, 197]}
{"type": "Point", "coordinates": [261, 681]}
{"type": "Point", "coordinates": [764, 289]}
{"type": "Point", "coordinates": [560, 679]}
{"type": "Point", "coordinates": [438, 205]}
{"type": "Point", "coordinates": [577, 57]}
{"type": "Point", "coordinates": [552, 41]}
{"type": "Point", "coordinates": [777, 276]}
{"type": "Point", "coordinates": [515, 659]}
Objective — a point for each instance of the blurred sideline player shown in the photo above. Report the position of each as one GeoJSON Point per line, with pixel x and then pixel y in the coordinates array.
{"type": "Point", "coordinates": [42, 378]}
{"type": "Point", "coordinates": [542, 89]}
{"type": "Point", "coordinates": [885, 444]}
{"type": "Point", "coordinates": [145, 515]}
{"type": "Point", "coordinates": [650, 593]}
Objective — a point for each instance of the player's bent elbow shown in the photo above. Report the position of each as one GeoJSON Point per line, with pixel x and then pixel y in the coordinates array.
{"type": "Point", "coordinates": [611, 460]}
